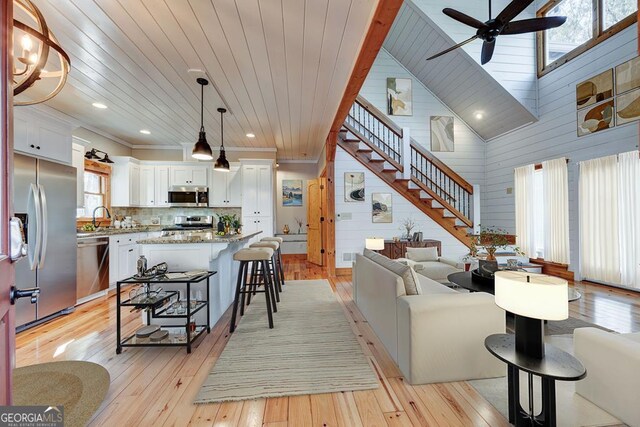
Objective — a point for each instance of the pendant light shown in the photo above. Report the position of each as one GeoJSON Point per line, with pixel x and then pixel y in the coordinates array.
{"type": "Point", "coordinates": [222, 164]}
{"type": "Point", "coordinates": [202, 149]}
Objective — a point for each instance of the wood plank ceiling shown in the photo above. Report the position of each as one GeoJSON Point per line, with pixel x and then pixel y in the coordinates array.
{"type": "Point", "coordinates": [279, 66]}
{"type": "Point", "coordinates": [456, 78]}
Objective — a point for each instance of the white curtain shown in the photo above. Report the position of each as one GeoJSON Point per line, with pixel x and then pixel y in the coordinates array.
{"type": "Point", "coordinates": [556, 210]}
{"type": "Point", "coordinates": [523, 183]}
{"type": "Point", "coordinates": [599, 233]}
{"type": "Point", "coordinates": [629, 210]}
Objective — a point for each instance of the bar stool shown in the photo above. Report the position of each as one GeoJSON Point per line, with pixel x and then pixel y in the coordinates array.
{"type": "Point", "coordinates": [280, 264]}
{"type": "Point", "coordinates": [271, 264]}
{"type": "Point", "coordinates": [257, 256]}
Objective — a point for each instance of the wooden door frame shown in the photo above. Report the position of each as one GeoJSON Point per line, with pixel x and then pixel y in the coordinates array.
{"type": "Point", "coordinates": [7, 274]}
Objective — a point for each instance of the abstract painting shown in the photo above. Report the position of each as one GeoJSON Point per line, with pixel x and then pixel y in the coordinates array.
{"type": "Point", "coordinates": [628, 107]}
{"type": "Point", "coordinates": [441, 133]}
{"type": "Point", "coordinates": [291, 192]}
{"type": "Point", "coordinates": [399, 97]}
{"type": "Point", "coordinates": [354, 186]}
{"type": "Point", "coordinates": [381, 208]}
{"type": "Point", "coordinates": [628, 75]}
{"type": "Point", "coordinates": [595, 89]}
{"type": "Point", "coordinates": [596, 118]}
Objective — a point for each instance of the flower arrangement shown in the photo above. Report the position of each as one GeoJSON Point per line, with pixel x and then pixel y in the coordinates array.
{"type": "Point", "coordinates": [299, 222]}
{"type": "Point", "coordinates": [408, 224]}
{"type": "Point", "coordinates": [491, 239]}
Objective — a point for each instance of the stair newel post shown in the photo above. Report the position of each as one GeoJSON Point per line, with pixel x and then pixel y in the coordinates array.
{"type": "Point", "coordinates": [406, 153]}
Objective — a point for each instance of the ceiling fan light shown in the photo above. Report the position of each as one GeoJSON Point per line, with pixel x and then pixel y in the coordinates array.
{"type": "Point", "coordinates": [202, 149]}
{"type": "Point", "coordinates": [222, 164]}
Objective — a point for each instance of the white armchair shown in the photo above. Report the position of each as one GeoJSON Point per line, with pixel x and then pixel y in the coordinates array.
{"type": "Point", "coordinates": [427, 262]}
{"type": "Point", "coordinates": [613, 371]}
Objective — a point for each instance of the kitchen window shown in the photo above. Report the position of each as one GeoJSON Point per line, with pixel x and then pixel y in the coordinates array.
{"type": "Point", "coordinates": [589, 22]}
{"type": "Point", "coordinates": [97, 191]}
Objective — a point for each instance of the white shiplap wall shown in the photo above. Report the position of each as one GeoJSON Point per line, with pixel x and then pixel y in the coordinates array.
{"type": "Point", "coordinates": [513, 64]}
{"type": "Point", "coordinates": [351, 234]}
{"type": "Point", "coordinates": [468, 157]}
{"type": "Point", "coordinates": [555, 135]}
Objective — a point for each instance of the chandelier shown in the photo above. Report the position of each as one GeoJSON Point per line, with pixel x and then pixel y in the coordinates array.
{"type": "Point", "coordinates": [40, 64]}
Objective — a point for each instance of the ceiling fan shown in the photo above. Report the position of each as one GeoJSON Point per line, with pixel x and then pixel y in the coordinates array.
{"type": "Point", "coordinates": [500, 25]}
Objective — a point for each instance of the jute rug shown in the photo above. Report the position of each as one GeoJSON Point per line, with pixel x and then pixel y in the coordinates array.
{"type": "Point", "coordinates": [311, 349]}
{"type": "Point", "coordinates": [80, 387]}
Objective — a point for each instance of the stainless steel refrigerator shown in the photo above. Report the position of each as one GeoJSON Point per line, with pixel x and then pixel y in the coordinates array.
{"type": "Point", "coordinates": [44, 195]}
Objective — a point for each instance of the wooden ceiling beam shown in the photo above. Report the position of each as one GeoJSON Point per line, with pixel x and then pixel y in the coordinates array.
{"type": "Point", "coordinates": [379, 27]}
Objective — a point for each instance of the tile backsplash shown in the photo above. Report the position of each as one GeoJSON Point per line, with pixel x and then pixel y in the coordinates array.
{"type": "Point", "coordinates": [143, 215]}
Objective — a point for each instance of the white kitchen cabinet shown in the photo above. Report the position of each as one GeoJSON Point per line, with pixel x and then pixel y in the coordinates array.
{"type": "Point", "coordinates": [226, 188]}
{"type": "Point", "coordinates": [257, 198]}
{"type": "Point", "coordinates": [147, 185]}
{"type": "Point", "coordinates": [40, 135]}
{"type": "Point", "coordinates": [162, 185]}
{"type": "Point", "coordinates": [125, 181]}
{"type": "Point", "coordinates": [188, 175]}
{"type": "Point", "coordinates": [123, 256]}
{"type": "Point", "coordinates": [77, 161]}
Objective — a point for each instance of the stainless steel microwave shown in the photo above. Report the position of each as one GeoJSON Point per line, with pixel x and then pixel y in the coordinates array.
{"type": "Point", "coordinates": [190, 196]}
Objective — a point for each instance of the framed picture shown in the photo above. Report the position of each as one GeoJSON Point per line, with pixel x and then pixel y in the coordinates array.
{"type": "Point", "coordinates": [381, 208]}
{"type": "Point", "coordinates": [595, 89]}
{"type": "Point", "coordinates": [628, 76]}
{"type": "Point", "coordinates": [399, 97]}
{"type": "Point", "coordinates": [628, 107]}
{"type": "Point", "coordinates": [354, 186]}
{"type": "Point", "coordinates": [441, 133]}
{"type": "Point", "coordinates": [596, 118]}
{"type": "Point", "coordinates": [291, 192]}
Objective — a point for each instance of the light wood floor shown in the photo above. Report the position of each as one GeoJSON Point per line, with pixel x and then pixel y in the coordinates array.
{"type": "Point", "coordinates": [155, 387]}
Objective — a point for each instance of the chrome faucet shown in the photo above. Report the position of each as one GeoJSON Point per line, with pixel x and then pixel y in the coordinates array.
{"type": "Point", "coordinates": [93, 221]}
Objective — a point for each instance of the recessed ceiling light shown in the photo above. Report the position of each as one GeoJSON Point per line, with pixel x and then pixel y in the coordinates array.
{"type": "Point", "coordinates": [478, 115]}
{"type": "Point", "coordinates": [251, 135]}
{"type": "Point", "coordinates": [145, 131]}
{"type": "Point", "coordinates": [99, 105]}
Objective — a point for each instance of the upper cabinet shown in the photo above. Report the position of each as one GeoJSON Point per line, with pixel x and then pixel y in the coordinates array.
{"type": "Point", "coordinates": [188, 175]}
{"type": "Point", "coordinates": [77, 161]}
{"type": "Point", "coordinates": [40, 135]}
{"type": "Point", "coordinates": [162, 185]}
{"type": "Point", "coordinates": [257, 190]}
{"type": "Point", "coordinates": [147, 185]}
{"type": "Point", "coordinates": [125, 181]}
{"type": "Point", "coordinates": [226, 188]}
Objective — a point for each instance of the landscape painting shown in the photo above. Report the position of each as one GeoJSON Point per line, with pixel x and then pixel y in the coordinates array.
{"type": "Point", "coordinates": [628, 76]}
{"type": "Point", "coordinates": [596, 118]}
{"type": "Point", "coordinates": [291, 192]}
{"type": "Point", "coordinates": [628, 107]}
{"type": "Point", "coordinates": [381, 208]}
{"type": "Point", "coordinates": [441, 133]}
{"type": "Point", "coordinates": [595, 89]}
{"type": "Point", "coordinates": [399, 97]}
{"type": "Point", "coordinates": [354, 186]}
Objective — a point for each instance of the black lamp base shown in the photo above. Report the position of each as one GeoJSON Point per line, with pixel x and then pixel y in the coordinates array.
{"type": "Point", "coordinates": [529, 336]}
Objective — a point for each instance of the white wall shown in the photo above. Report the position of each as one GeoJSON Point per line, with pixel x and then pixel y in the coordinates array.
{"type": "Point", "coordinates": [468, 157]}
{"type": "Point", "coordinates": [513, 64]}
{"type": "Point", "coordinates": [555, 135]}
{"type": "Point", "coordinates": [351, 234]}
{"type": "Point", "coordinates": [288, 214]}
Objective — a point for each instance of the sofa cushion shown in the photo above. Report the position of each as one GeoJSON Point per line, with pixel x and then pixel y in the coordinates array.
{"type": "Point", "coordinates": [430, 286]}
{"type": "Point", "coordinates": [437, 271]}
{"type": "Point", "coordinates": [405, 272]}
{"type": "Point", "coordinates": [422, 254]}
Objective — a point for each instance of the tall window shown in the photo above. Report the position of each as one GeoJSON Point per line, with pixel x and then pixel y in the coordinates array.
{"type": "Point", "coordinates": [538, 213]}
{"type": "Point", "coordinates": [97, 191]}
{"type": "Point", "coordinates": [589, 22]}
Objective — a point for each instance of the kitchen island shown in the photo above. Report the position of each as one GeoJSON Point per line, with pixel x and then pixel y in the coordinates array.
{"type": "Point", "coordinates": [201, 251]}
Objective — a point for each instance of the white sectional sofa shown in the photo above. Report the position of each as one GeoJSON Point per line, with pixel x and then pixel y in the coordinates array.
{"type": "Point", "coordinates": [426, 262]}
{"type": "Point", "coordinates": [435, 336]}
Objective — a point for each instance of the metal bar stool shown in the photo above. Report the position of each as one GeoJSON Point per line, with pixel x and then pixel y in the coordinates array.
{"type": "Point", "coordinates": [257, 256]}
{"type": "Point", "coordinates": [280, 264]}
{"type": "Point", "coordinates": [272, 264]}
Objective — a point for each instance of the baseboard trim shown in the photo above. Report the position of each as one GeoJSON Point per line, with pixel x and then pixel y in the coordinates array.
{"type": "Point", "coordinates": [343, 271]}
{"type": "Point", "coordinates": [296, 257]}
{"type": "Point", "coordinates": [554, 269]}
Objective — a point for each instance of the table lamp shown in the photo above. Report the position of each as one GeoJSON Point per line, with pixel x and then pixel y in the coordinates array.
{"type": "Point", "coordinates": [532, 298]}
{"type": "Point", "coordinates": [374, 243]}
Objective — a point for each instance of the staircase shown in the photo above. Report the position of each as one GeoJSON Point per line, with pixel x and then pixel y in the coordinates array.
{"type": "Point", "coordinates": [378, 143]}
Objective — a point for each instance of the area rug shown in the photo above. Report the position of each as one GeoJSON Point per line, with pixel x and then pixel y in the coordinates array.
{"type": "Point", "coordinates": [311, 349]}
{"type": "Point", "coordinates": [80, 387]}
{"type": "Point", "coordinates": [573, 410]}
{"type": "Point", "coordinates": [561, 327]}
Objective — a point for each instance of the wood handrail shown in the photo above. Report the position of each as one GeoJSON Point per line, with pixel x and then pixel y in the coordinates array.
{"type": "Point", "coordinates": [442, 166]}
{"type": "Point", "coordinates": [379, 115]}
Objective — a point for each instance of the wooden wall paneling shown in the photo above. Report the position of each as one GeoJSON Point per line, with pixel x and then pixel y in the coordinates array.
{"type": "Point", "coordinates": [329, 226]}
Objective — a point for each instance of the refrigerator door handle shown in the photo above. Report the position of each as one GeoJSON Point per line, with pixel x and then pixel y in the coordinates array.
{"type": "Point", "coordinates": [34, 248]}
{"type": "Point", "coordinates": [45, 226]}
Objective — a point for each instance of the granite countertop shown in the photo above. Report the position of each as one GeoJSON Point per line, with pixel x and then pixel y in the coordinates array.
{"type": "Point", "coordinates": [202, 237]}
{"type": "Point", "coordinates": [101, 232]}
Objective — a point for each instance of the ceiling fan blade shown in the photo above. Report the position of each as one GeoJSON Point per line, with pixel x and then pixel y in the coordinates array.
{"type": "Point", "coordinates": [512, 10]}
{"type": "Point", "coordinates": [463, 18]}
{"type": "Point", "coordinates": [453, 48]}
{"type": "Point", "coordinates": [534, 24]}
{"type": "Point", "coordinates": [487, 51]}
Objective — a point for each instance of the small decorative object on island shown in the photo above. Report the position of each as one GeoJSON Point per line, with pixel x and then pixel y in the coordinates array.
{"type": "Point", "coordinates": [408, 224]}
{"type": "Point", "coordinates": [286, 229]}
{"type": "Point", "coordinates": [299, 222]}
{"type": "Point", "coordinates": [492, 239]}
{"type": "Point", "coordinates": [236, 224]}
{"type": "Point", "coordinates": [220, 224]}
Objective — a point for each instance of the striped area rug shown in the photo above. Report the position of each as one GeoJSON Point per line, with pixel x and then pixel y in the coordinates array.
{"type": "Point", "coordinates": [311, 349]}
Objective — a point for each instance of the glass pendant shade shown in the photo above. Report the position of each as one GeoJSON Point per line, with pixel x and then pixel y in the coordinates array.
{"type": "Point", "coordinates": [202, 149]}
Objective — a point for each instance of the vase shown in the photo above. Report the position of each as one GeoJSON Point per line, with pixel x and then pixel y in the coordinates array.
{"type": "Point", "coordinates": [220, 226]}
{"type": "Point", "coordinates": [491, 254]}
{"type": "Point", "coordinates": [300, 230]}
{"type": "Point", "coordinates": [285, 229]}
{"type": "Point", "coordinates": [227, 228]}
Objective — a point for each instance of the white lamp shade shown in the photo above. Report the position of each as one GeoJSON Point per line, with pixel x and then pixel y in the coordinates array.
{"type": "Point", "coordinates": [539, 297]}
{"type": "Point", "coordinates": [374, 243]}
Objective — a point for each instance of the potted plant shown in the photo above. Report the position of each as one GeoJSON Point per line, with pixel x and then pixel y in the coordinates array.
{"type": "Point", "coordinates": [229, 221]}
{"type": "Point", "coordinates": [408, 224]}
{"type": "Point", "coordinates": [492, 239]}
{"type": "Point", "coordinates": [236, 224]}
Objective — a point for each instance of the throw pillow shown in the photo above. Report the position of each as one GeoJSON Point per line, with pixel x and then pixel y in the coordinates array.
{"type": "Point", "coordinates": [422, 254]}
{"type": "Point", "coordinates": [409, 278]}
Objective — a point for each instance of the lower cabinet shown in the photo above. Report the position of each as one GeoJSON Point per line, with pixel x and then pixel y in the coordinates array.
{"type": "Point", "coordinates": [123, 256]}
{"type": "Point", "coordinates": [251, 224]}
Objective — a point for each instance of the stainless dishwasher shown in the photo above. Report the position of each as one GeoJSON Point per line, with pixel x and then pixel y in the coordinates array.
{"type": "Point", "coordinates": [93, 266]}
